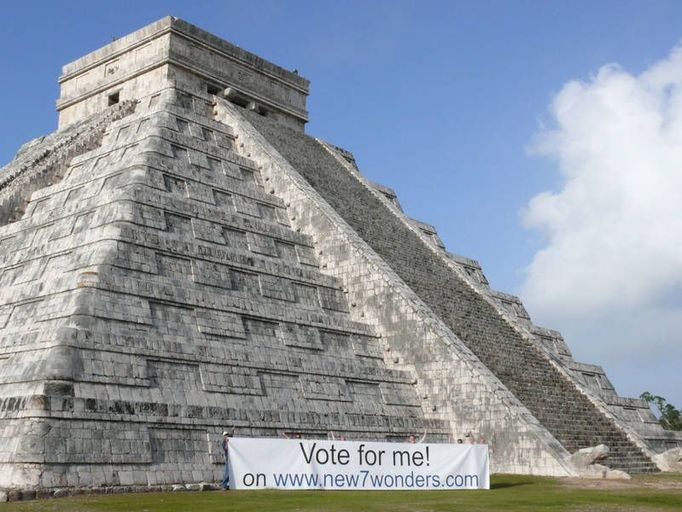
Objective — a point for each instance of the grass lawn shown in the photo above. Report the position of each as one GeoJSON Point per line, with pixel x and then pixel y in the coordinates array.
{"type": "Point", "coordinates": [508, 493]}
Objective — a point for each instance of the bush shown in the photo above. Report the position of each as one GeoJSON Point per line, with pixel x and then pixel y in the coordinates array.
{"type": "Point", "coordinates": [670, 418]}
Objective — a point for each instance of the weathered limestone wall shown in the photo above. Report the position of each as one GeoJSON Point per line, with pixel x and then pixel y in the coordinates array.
{"type": "Point", "coordinates": [158, 295]}
{"type": "Point", "coordinates": [43, 161]}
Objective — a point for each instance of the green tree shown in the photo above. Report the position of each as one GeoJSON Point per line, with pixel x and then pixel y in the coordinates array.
{"type": "Point", "coordinates": [670, 418]}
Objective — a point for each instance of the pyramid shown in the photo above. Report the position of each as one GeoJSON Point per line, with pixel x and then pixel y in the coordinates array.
{"type": "Point", "coordinates": [180, 258]}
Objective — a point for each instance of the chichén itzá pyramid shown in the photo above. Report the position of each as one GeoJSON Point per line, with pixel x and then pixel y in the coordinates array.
{"type": "Point", "coordinates": [181, 258]}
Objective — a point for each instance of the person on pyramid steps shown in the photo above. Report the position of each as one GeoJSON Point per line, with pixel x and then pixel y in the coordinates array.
{"type": "Point", "coordinates": [226, 474]}
{"type": "Point", "coordinates": [412, 439]}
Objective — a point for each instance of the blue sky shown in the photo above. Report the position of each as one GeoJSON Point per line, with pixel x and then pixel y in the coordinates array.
{"type": "Point", "coordinates": [449, 104]}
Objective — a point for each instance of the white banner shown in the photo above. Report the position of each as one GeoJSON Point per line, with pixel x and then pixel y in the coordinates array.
{"type": "Point", "coordinates": [262, 463]}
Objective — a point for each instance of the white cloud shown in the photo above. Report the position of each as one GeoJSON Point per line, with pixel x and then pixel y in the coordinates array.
{"type": "Point", "coordinates": [613, 232]}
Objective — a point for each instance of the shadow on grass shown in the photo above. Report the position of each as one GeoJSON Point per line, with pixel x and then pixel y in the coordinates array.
{"type": "Point", "coordinates": [509, 481]}
{"type": "Point", "coordinates": [505, 485]}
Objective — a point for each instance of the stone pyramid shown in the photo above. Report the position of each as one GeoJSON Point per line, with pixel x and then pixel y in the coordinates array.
{"type": "Point", "coordinates": [180, 258]}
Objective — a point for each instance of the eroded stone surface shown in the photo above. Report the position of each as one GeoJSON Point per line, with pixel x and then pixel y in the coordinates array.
{"type": "Point", "coordinates": [587, 461]}
{"type": "Point", "coordinates": [670, 460]}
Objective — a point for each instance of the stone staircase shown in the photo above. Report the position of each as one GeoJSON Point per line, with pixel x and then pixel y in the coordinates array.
{"type": "Point", "coordinates": [562, 409]}
{"type": "Point", "coordinates": [553, 400]}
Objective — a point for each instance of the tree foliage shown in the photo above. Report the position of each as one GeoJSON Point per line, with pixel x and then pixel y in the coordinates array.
{"type": "Point", "coordinates": [670, 418]}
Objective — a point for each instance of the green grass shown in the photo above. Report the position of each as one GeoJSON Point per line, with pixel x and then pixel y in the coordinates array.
{"type": "Point", "coordinates": [508, 493]}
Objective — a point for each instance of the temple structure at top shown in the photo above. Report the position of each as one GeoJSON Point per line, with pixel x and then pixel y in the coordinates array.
{"type": "Point", "coordinates": [173, 50]}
